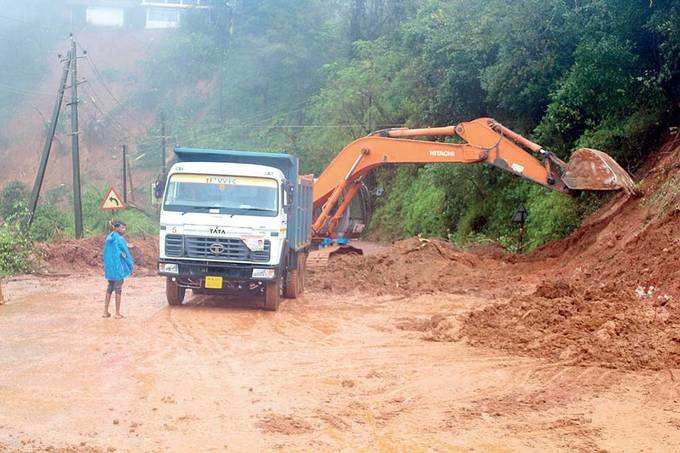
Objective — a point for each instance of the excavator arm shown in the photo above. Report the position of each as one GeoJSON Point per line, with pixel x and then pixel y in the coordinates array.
{"type": "Point", "coordinates": [486, 141]}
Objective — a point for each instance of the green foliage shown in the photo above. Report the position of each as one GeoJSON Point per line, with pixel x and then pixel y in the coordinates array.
{"type": "Point", "coordinates": [297, 75]}
{"type": "Point", "coordinates": [552, 215]}
{"type": "Point", "coordinates": [13, 194]}
{"type": "Point", "coordinates": [412, 205]}
{"type": "Point", "coordinates": [359, 96]}
{"type": "Point", "coordinates": [96, 221]}
{"type": "Point", "coordinates": [15, 248]}
{"type": "Point", "coordinates": [50, 223]}
{"type": "Point", "coordinates": [53, 218]}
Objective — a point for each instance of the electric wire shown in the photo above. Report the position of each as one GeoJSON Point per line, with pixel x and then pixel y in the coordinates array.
{"type": "Point", "coordinates": [109, 117]}
{"type": "Point", "coordinates": [22, 91]}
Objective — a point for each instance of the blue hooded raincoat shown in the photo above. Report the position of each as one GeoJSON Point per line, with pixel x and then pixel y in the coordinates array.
{"type": "Point", "coordinates": [117, 266]}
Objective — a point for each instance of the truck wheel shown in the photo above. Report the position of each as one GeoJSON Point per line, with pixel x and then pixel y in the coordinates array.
{"type": "Point", "coordinates": [291, 289]}
{"type": "Point", "coordinates": [173, 292]}
{"type": "Point", "coordinates": [272, 295]}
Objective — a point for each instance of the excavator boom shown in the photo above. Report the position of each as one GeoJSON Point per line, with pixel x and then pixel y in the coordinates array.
{"type": "Point", "coordinates": [486, 141]}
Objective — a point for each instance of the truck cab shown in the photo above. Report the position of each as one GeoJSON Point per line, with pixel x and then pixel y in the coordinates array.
{"type": "Point", "coordinates": [235, 221]}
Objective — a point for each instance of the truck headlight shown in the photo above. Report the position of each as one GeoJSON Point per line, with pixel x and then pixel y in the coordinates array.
{"type": "Point", "coordinates": [264, 273]}
{"type": "Point", "coordinates": [168, 268]}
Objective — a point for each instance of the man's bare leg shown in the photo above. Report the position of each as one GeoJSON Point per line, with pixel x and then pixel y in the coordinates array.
{"type": "Point", "coordinates": [107, 301]}
{"type": "Point", "coordinates": [118, 297]}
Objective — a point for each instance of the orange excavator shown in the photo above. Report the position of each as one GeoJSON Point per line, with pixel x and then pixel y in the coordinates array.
{"type": "Point", "coordinates": [486, 141]}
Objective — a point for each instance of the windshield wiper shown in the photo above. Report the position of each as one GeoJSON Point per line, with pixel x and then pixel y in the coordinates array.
{"type": "Point", "coordinates": [252, 208]}
{"type": "Point", "coordinates": [197, 208]}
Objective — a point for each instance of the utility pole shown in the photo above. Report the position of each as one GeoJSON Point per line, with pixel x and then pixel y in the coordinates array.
{"type": "Point", "coordinates": [129, 175]}
{"type": "Point", "coordinates": [124, 174]}
{"type": "Point", "coordinates": [37, 185]}
{"type": "Point", "coordinates": [163, 144]}
{"type": "Point", "coordinates": [75, 152]}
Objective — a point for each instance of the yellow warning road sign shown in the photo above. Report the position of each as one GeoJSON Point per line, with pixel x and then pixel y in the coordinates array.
{"type": "Point", "coordinates": [112, 201]}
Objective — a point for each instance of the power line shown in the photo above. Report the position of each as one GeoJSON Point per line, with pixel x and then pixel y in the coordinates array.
{"type": "Point", "coordinates": [109, 116]}
{"type": "Point", "coordinates": [274, 114]}
{"type": "Point", "coordinates": [220, 134]}
{"type": "Point", "coordinates": [100, 78]}
{"type": "Point", "coordinates": [124, 109]}
{"type": "Point", "coordinates": [23, 91]}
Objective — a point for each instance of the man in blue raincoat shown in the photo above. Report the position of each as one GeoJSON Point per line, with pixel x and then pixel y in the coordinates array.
{"type": "Point", "coordinates": [117, 265]}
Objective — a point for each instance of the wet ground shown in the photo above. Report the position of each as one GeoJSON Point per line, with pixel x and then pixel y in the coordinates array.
{"type": "Point", "coordinates": [325, 373]}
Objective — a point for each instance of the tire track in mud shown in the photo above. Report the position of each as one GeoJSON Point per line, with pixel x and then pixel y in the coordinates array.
{"type": "Point", "coordinates": [204, 329]}
{"type": "Point", "coordinates": [203, 383]}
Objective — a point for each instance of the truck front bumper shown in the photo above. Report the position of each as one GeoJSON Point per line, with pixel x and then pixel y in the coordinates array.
{"type": "Point", "coordinates": [193, 273]}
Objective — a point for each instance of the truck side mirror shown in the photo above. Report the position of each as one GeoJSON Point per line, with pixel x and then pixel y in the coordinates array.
{"type": "Point", "coordinates": [159, 188]}
{"type": "Point", "coordinates": [287, 195]}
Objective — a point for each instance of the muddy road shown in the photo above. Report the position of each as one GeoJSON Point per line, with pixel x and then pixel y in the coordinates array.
{"type": "Point", "coordinates": [326, 372]}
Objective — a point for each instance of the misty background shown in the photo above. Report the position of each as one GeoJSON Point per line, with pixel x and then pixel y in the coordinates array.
{"type": "Point", "coordinates": [309, 76]}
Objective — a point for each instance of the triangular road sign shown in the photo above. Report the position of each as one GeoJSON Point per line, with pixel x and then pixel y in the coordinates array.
{"type": "Point", "coordinates": [112, 200]}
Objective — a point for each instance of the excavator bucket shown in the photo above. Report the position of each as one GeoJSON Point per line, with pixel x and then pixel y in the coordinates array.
{"type": "Point", "coordinates": [320, 258]}
{"type": "Point", "coordinates": [590, 169]}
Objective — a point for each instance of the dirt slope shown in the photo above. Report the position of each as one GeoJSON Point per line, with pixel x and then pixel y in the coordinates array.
{"type": "Point", "coordinates": [630, 241]}
{"type": "Point", "coordinates": [104, 124]}
{"type": "Point", "coordinates": [618, 304]}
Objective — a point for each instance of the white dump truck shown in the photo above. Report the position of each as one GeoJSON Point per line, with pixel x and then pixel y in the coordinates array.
{"type": "Point", "coordinates": [235, 221]}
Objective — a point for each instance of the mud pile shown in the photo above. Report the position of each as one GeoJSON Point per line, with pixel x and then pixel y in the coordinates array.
{"type": "Point", "coordinates": [610, 326]}
{"type": "Point", "coordinates": [85, 255]}
{"type": "Point", "coordinates": [630, 242]}
{"type": "Point", "coordinates": [413, 266]}
{"type": "Point", "coordinates": [618, 303]}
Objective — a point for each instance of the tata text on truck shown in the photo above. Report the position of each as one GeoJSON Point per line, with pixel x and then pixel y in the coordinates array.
{"type": "Point", "coordinates": [235, 221]}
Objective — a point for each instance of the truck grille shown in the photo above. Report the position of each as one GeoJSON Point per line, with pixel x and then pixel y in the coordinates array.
{"type": "Point", "coordinates": [207, 247]}
{"type": "Point", "coordinates": [174, 245]}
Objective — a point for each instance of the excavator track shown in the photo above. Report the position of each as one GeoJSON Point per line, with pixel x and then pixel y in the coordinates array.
{"type": "Point", "coordinates": [321, 257]}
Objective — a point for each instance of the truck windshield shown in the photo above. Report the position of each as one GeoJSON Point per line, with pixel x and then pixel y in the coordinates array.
{"type": "Point", "coordinates": [228, 194]}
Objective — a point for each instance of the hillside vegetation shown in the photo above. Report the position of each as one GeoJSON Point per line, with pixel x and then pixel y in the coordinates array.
{"type": "Point", "coordinates": [310, 76]}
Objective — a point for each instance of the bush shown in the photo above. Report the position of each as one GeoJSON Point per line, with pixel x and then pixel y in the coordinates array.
{"type": "Point", "coordinates": [12, 195]}
{"type": "Point", "coordinates": [49, 223]}
{"type": "Point", "coordinates": [552, 215]}
{"type": "Point", "coordinates": [96, 221]}
{"type": "Point", "coordinates": [413, 204]}
{"type": "Point", "coordinates": [15, 249]}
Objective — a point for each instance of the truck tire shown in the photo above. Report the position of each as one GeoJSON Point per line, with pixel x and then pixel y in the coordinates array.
{"type": "Point", "coordinates": [291, 288]}
{"type": "Point", "coordinates": [272, 295]}
{"type": "Point", "coordinates": [173, 293]}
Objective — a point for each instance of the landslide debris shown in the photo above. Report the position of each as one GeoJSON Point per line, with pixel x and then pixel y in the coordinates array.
{"type": "Point", "coordinates": [77, 256]}
{"type": "Point", "coordinates": [415, 266]}
{"type": "Point", "coordinates": [610, 326]}
{"type": "Point", "coordinates": [629, 242]}
{"type": "Point", "coordinates": [617, 303]}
